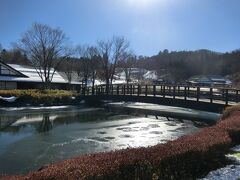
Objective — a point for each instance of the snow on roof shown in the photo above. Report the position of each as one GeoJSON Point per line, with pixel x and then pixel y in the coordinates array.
{"type": "Point", "coordinates": [150, 75]}
{"type": "Point", "coordinates": [32, 75]}
{"type": "Point", "coordinates": [75, 78]}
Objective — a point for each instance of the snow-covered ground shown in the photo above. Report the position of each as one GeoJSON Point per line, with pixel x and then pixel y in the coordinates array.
{"type": "Point", "coordinates": [9, 99]}
{"type": "Point", "coordinates": [228, 172]}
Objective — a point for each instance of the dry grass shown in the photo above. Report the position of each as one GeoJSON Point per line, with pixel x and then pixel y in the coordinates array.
{"type": "Point", "coordinates": [36, 93]}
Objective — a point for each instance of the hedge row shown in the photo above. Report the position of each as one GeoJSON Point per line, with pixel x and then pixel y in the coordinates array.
{"type": "Point", "coordinates": [36, 93]}
{"type": "Point", "coordinates": [36, 97]}
{"type": "Point", "coordinates": [187, 157]}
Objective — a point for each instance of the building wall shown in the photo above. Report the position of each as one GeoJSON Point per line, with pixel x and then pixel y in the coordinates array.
{"type": "Point", "coordinates": [7, 85]}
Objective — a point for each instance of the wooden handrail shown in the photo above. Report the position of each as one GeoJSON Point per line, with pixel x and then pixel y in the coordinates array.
{"type": "Point", "coordinates": [185, 92]}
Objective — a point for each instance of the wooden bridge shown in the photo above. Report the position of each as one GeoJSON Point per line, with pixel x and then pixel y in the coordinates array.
{"type": "Point", "coordinates": [201, 98]}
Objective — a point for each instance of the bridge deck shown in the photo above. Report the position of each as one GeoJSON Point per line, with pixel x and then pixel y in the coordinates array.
{"type": "Point", "coordinates": [185, 96]}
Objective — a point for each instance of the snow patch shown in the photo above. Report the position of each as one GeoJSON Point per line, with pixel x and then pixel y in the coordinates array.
{"type": "Point", "coordinates": [9, 99]}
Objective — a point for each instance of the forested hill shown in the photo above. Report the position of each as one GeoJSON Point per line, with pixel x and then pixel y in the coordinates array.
{"type": "Point", "coordinates": [184, 64]}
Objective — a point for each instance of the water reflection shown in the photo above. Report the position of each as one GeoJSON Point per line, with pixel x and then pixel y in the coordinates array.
{"type": "Point", "coordinates": [45, 124]}
{"type": "Point", "coordinates": [6, 121]}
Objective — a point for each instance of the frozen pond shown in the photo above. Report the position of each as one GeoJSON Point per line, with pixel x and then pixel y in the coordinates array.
{"type": "Point", "coordinates": [33, 137]}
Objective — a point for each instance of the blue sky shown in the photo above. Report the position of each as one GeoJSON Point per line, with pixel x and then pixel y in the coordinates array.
{"type": "Point", "coordinates": [149, 25]}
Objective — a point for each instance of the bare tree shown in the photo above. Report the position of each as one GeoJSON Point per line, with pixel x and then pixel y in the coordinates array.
{"type": "Point", "coordinates": [127, 63]}
{"type": "Point", "coordinates": [44, 48]}
{"type": "Point", "coordinates": [89, 63]}
{"type": "Point", "coordinates": [139, 74]}
{"type": "Point", "coordinates": [93, 56]}
{"type": "Point", "coordinates": [84, 63]}
{"type": "Point", "coordinates": [111, 52]}
{"type": "Point", "coordinates": [67, 66]}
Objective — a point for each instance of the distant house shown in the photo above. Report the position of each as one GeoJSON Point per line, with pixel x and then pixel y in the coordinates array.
{"type": "Point", "coordinates": [209, 80]}
{"type": "Point", "coordinates": [137, 74]}
{"type": "Point", "coordinates": [13, 76]}
{"type": "Point", "coordinates": [151, 75]}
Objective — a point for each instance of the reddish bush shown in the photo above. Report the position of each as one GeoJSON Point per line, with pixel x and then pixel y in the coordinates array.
{"type": "Point", "coordinates": [188, 157]}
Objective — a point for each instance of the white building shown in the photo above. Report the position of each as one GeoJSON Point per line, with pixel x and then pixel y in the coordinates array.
{"type": "Point", "coordinates": [13, 76]}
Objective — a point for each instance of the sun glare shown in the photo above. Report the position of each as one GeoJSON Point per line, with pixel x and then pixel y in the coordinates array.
{"type": "Point", "coordinates": [143, 3]}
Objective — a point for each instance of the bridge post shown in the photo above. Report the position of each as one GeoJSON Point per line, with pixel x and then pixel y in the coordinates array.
{"type": "Point", "coordinates": [164, 90]}
{"type": "Point", "coordinates": [80, 89]}
{"type": "Point", "coordinates": [198, 93]}
{"type": "Point", "coordinates": [154, 90]}
{"type": "Point", "coordinates": [237, 96]}
{"type": "Point", "coordinates": [185, 93]}
{"type": "Point", "coordinates": [118, 89]}
{"type": "Point", "coordinates": [107, 89]}
{"type": "Point", "coordinates": [93, 89]}
{"type": "Point", "coordinates": [101, 89]}
{"type": "Point", "coordinates": [112, 89]}
{"type": "Point", "coordinates": [133, 89]}
{"type": "Point", "coordinates": [84, 90]}
{"type": "Point", "coordinates": [139, 90]}
{"type": "Point", "coordinates": [124, 90]}
{"type": "Point", "coordinates": [211, 95]}
{"type": "Point", "coordinates": [226, 97]}
{"type": "Point", "coordinates": [174, 92]}
{"type": "Point", "coordinates": [146, 90]}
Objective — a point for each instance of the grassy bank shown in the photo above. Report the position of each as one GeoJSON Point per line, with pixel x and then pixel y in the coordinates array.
{"type": "Point", "coordinates": [36, 97]}
{"type": "Point", "coordinates": [188, 157]}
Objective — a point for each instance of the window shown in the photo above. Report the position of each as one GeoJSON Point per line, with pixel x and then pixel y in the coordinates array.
{"type": "Point", "coordinates": [8, 85]}
{"type": "Point", "coordinates": [6, 71]}
{"type": "Point", "coordinates": [11, 85]}
{"type": "Point", "coordinates": [2, 85]}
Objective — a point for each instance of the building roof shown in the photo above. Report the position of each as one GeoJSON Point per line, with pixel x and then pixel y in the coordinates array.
{"type": "Point", "coordinates": [209, 79]}
{"type": "Point", "coordinates": [29, 75]}
{"type": "Point", "coordinates": [12, 71]}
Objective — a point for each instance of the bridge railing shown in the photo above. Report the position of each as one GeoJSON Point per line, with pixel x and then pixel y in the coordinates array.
{"type": "Point", "coordinates": [208, 94]}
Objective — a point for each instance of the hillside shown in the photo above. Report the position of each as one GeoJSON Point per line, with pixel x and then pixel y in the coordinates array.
{"type": "Point", "coordinates": [184, 64]}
